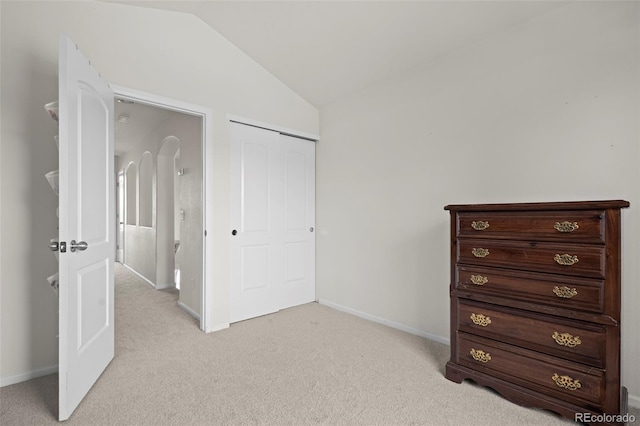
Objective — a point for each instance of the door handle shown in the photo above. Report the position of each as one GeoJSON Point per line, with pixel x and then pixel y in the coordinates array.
{"type": "Point", "coordinates": [54, 246]}
{"type": "Point", "coordinates": [81, 245]}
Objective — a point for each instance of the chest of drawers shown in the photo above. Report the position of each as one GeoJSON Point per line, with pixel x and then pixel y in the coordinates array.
{"type": "Point", "coordinates": [535, 303]}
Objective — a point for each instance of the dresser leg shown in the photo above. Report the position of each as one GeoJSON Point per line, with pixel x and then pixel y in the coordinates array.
{"type": "Point", "coordinates": [452, 373]}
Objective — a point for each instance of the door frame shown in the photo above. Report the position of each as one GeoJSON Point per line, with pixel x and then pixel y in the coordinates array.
{"type": "Point", "coordinates": [120, 208]}
{"type": "Point", "coordinates": [206, 114]}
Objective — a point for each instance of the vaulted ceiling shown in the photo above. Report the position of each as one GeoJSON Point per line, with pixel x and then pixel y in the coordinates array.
{"type": "Point", "coordinates": [325, 50]}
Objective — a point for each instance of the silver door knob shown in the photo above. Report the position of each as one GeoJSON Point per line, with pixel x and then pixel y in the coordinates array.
{"type": "Point", "coordinates": [81, 245]}
{"type": "Point", "coordinates": [54, 246]}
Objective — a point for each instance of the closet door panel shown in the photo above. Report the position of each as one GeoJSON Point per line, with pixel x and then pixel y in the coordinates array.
{"type": "Point", "coordinates": [299, 221]}
{"type": "Point", "coordinates": [256, 252]}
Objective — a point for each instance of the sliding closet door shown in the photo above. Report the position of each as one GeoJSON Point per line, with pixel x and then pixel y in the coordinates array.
{"type": "Point", "coordinates": [299, 162]}
{"type": "Point", "coordinates": [272, 222]}
{"type": "Point", "coordinates": [256, 208]}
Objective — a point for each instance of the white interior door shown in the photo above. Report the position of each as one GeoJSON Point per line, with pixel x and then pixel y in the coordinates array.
{"type": "Point", "coordinates": [273, 220]}
{"type": "Point", "coordinates": [298, 160]}
{"type": "Point", "coordinates": [86, 190]}
{"type": "Point", "coordinates": [256, 197]}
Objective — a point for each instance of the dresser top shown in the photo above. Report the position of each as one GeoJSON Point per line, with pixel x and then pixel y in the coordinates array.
{"type": "Point", "coordinates": [562, 205]}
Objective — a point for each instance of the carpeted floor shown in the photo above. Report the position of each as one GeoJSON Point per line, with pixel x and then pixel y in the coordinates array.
{"type": "Point", "coordinates": [305, 365]}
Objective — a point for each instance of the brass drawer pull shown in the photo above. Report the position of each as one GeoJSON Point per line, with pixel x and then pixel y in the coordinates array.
{"type": "Point", "coordinates": [479, 279]}
{"type": "Point", "coordinates": [566, 382]}
{"type": "Point", "coordinates": [479, 355]}
{"type": "Point", "coordinates": [566, 226]}
{"type": "Point", "coordinates": [480, 252]}
{"type": "Point", "coordinates": [565, 292]}
{"type": "Point", "coordinates": [566, 339]}
{"type": "Point", "coordinates": [479, 225]}
{"type": "Point", "coordinates": [481, 320]}
{"type": "Point", "coordinates": [565, 259]}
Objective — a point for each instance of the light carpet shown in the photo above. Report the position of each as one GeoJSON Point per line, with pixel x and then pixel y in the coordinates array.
{"type": "Point", "coordinates": [305, 365]}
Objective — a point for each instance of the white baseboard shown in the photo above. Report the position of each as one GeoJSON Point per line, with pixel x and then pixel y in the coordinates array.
{"type": "Point", "coordinates": [142, 277]}
{"type": "Point", "coordinates": [386, 322]}
{"type": "Point", "coordinates": [23, 377]}
{"type": "Point", "coordinates": [164, 286]}
{"type": "Point", "coordinates": [189, 310]}
{"type": "Point", "coordinates": [218, 327]}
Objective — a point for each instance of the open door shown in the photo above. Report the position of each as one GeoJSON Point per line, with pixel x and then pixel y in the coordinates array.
{"type": "Point", "coordinates": [86, 226]}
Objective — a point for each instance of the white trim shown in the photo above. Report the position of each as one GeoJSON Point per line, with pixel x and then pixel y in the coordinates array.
{"type": "Point", "coordinates": [208, 249]}
{"type": "Point", "coordinates": [165, 286]}
{"type": "Point", "coordinates": [23, 377]}
{"type": "Point", "coordinates": [123, 218]}
{"type": "Point", "coordinates": [386, 322]}
{"type": "Point", "coordinates": [280, 129]}
{"type": "Point", "coordinates": [158, 100]}
{"type": "Point", "coordinates": [189, 310]}
{"type": "Point", "coordinates": [634, 401]}
{"type": "Point", "coordinates": [221, 326]}
{"type": "Point", "coordinates": [142, 277]}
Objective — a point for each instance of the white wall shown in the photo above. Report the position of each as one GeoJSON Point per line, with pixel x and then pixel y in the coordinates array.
{"type": "Point", "coordinates": [548, 111]}
{"type": "Point", "coordinates": [166, 53]}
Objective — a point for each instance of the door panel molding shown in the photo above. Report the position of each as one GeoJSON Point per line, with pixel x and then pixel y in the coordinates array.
{"type": "Point", "coordinates": [86, 197]}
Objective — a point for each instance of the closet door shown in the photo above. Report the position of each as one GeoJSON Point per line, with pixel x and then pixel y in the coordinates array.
{"type": "Point", "coordinates": [272, 222]}
{"type": "Point", "coordinates": [299, 243]}
{"type": "Point", "coordinates": [256, 211]}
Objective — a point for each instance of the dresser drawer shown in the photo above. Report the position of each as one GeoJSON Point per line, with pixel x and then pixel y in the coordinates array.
{"type": "Point", "coordinates": [565, 380]}
{"type": "Point", "coordinates": [585, 226]}
{"type": "Point", "coordinates": [580, 342]}
{"type": "Point", "coordinates": [565, 259]}
{"type": "Point", "coordinates": [583, 294]}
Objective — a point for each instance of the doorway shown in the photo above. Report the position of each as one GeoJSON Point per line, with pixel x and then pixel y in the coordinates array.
{"type": "Point", "coordinates": [177, 163]}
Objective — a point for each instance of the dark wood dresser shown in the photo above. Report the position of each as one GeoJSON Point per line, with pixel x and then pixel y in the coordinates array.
{"type": "Point", "coordinates": [535, 303]}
